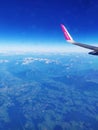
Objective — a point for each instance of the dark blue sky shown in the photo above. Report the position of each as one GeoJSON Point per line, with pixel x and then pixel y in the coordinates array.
{"type": "Point", "coordinates": [38, 21]}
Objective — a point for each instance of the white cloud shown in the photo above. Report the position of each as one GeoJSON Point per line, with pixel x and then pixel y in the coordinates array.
{"type": "Point", "coordinates": [27, 60]}
{"type": "Point", "coordinates": [4, 61]}
{"type": "Point", "coordinates": [45, 60]}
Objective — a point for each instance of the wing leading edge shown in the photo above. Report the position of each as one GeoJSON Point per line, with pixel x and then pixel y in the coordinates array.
{"type": "Point", "coordinates": [70, 40]}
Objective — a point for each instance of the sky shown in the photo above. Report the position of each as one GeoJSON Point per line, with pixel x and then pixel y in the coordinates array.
{"type": "Point", "coordinates": [37, 22]}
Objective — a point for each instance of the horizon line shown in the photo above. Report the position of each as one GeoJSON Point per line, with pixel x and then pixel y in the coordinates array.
{"type": "Point", "coordinates": [42, 49]}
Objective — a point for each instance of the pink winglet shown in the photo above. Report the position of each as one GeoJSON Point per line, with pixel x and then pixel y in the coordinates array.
{"type": "Point", "coordinates": [66, 34]}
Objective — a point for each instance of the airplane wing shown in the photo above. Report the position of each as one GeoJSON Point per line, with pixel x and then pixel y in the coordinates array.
{"type": "Point", "coordinates": [70, 40]}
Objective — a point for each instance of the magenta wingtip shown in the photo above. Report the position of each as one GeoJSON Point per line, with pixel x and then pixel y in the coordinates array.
{"type": "Point", "coordinates": [66, 34]}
